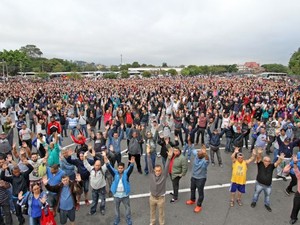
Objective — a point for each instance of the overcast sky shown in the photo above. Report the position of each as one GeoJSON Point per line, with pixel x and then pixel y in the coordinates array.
{"type": "Point", "coordinates": [177, 32]}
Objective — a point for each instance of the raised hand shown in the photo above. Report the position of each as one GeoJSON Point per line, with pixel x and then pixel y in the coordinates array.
{"type": "Point", "coordinates": [20, 195]}
{"type": "Point", "coordinates": [170, 153]}
{"type": "Point", "coordinates": [78, 177]}
{"type": "Point", "coordinates": [132, 160]}
{"type": "Point", "coordinates": [282, 155]}
{"type": "Point", "coordinates": [43, 199]}
{"type": "Point", "coordinates": [45, 180]}
{"type": "Point", "coordinates": [236, 149]}
{"type": "Point", "coordinates": [295, 159]}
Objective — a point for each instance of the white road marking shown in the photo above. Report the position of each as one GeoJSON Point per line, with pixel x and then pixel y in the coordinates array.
{"type": "Point", "coordinates": [210, 187]}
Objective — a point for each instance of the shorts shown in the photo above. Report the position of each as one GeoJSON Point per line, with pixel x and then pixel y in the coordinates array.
{"type": "Point", "coordinates": [64, 215]}
{"type": "Point", "coordinates": [240, 187]}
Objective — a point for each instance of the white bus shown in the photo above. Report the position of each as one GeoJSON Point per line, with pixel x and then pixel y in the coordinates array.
{"type": "Point", "coordinates": [273, 76]}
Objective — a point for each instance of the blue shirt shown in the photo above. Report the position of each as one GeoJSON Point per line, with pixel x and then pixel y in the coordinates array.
{"type": "Point", "coordinates": [66, 201]}
{"type": "Point", "coordinates": [199, 170]}
{"type": "Point", "coordinates": [36, 210]}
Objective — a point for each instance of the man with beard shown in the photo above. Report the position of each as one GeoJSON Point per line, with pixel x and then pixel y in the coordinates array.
{"type": "Point", "coordinates": [198, 179]}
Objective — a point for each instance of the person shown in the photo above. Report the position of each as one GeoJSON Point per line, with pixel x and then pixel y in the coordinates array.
{"type": "Point", "coordinates": [198, 179]}
{"type": "Point", "coordinates": [158, 179]}
{"type": "Point", "coordinates": [53, 152]}
{"type": "Point", "coordinates": [121, 188]}
{"type": "Point", "coordinates": [35, 201]}
{"type": "Point", "coordinates": [214, 143]}
{"type": "Point", "coordinates": [4, 204]}
{"type": "Point", "coordinates": [19, 182]}
{"type": "Point", "coordinates": [134, 149]}
{"type": "Point", "coordinates": [150, 141]}
{"type": "Point", "coordinates": [98, 183]}
{"type": "Point", "coordinates": [296, 202]}
{"type": "Point", "coordinates": [66, 191]}
{"type": "Point", "coordinates": [177, 169]}
{"type": "Point", "coordinates": [115, 139]}
{"type": "Point", "coordinates": [293, 182]}
{"type": "Point", "coordinates": [239, 175]}
{"type": "Point", "coordinates": [264, 177]}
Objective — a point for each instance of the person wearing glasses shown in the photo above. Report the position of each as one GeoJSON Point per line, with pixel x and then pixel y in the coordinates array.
{"type": "Point", "coordinates": [264, 177]}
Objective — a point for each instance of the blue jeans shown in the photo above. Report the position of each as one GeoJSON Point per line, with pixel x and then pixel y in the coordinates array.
{"type": "Point", "coordinates": [34, 221]}
{"type": "Point", "coordinates": [189, 149]}
{"type": "Point", "coordinates": [197, 184]}
{"type": "Point", "coordinates": [126, 203]}
{"type": "Point", "coordinates": [83, 127]}
{"type": "Point", "coordinates": [96, 193]}
{"type": "Point", "coordinates": [275, 155]}
{"type": "Point", "coordinates": [153, 158]}
{"type": "Point", "coordinates": [258, 189]}
{"type": "Point", "coordinates": [228, 146]}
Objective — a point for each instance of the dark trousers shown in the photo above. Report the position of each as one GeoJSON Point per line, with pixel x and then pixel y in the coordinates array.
{"type": "Point", "coordinates": [5, 211]}
{"type": "Point", "coordinates": [246, 138]}
{"type": "Point", "coordinates": [137, 161]}
{"type": "Point", "coordinates": [96, 193]}
{"type": "Point", "coordinates": [117, 157]}
{"type": "Point", "coordinates": [197, 184]}
{"type": "Point", "coordinates": [296, 206]}
{"type": "Point", "coordinates": [178, 133]}
{"type": "Point", "coordinates": [202, 132]}
{"type": "Point", "coordinates": [272, 139]}
{"type": "Point", "coordinates": [175, 184]}
{"type": "Point", "coordinates": [292, 183]}
{"type": "Point", "coordinates": [18, 208]}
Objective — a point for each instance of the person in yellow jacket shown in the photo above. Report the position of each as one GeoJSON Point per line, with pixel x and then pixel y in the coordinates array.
{"type": "Point", "coordinates": [239, 175]}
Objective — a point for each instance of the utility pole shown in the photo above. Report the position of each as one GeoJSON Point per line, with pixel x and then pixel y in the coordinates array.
{"type": "Point", "coordinates": [121, 59]}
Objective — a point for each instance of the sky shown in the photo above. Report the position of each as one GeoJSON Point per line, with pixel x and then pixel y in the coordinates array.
{"type": "Point", "coordinates": [178, 32]}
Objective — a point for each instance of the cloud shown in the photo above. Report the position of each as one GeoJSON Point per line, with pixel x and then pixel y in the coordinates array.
{"type": "Point", "coordinates": [173, 31]}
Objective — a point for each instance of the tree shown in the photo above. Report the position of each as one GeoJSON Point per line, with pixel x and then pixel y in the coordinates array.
{"type": "Point", "coordinates": [294, 63]}
{"type": "Point", "coordinates": [146, 74]}
{"type": "Point", "coordinates": [275, 68]}
{"type": "Point", "coordinates": [31, 51]}
{"type": "Point", "coordinates": [15, 60]}
{"type": "Point", "coordinates": [164, 64]}
{"type": "Point", "coordinates": [114, 68]}
{"type": "Point", "coordinates": [172, 72]}
{"type": "Point", "coordinates": [135, 65]}
{"type": "Point", "coordinates": [185, 72]}
{"type": "Point", "coordinates": [124, 74]}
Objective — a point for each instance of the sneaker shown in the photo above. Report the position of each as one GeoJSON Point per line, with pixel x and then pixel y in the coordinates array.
{"type": "Point", "coordinates": [213, 164]}
{"type": "Point", "coordinates": [292, 192]}
{"type": "Point", "coordinates": [253, 204]}
{"type": "Point", "coordinates": [268, 208]}
{"type": "Point", "coordinates": [287, 192]}
{"type": "Point", "coordinates": [293, 221]}
{"type": "Point", "coordinates": [87, 203]}
{"type": "Point", "coordinates": [197, 209]}
{"type": "Point", "coordinates": [190, 202]}
{"type": "Point", "coordinates": [221, 165]}
{"type": "Point", "coordinates": [173, 200]}
{"type": "Point", "coordinates": [102, 212]}
{"type": "Point", "coordinates": [91, 214]}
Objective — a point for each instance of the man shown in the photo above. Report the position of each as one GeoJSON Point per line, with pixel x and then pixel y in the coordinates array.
{"type": "Point", "coordinates": [239, 175]}
{"type": "Point", "coordinates": [198, 179]}
{"type": "Point", "coordinates": [53, 152]}
{"type": "Point", "coordinates": [296, 203]}
{"type": "Point", "coordinates": [177, 169]}
{"type": "Point", "coordinates": [66, 191]}
{"type": "Point", "coordinates": [134, 150]}
{"type": "Point", "coordinates": [26, 135]}
{"type": "Point", "coordinates": [121, 188]}
{"type": "Point", "coordinates": [115, 139]}
{"type": "Point", "coordinates": [157, 187]}
{"type": "Point", "coordinates": [98, 183]}
{"type": "Point", "coordinates": [35, 175]}
{"type": "Point", "coordinates": [214, 143]}
{"type": "Point", "coordinates": [264, 177]}
{"type": "Point", "coordinates": [19, 182]}
{"type": "Point", "coordinates": [4, 204]}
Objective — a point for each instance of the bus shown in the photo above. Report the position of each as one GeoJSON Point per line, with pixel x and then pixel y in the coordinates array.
{"type": "Point", "coordinates": [273, 76]}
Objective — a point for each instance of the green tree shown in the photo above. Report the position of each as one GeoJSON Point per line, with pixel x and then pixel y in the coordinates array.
{"type": "Point", "coordinates": [135, 65]}
{"type": "Point", "coordinates": [275, 68]}
{"type": "Point", "coordinates": [124, 74]}
{"type": "Point", "coordinates": [31, 51]}
{"type": "Point", "coordinates": [146, 74]}
{"type": "Point", "coordinates": [110, 76]}
{"type": "Point", "coordinates": [185, 72]}
{"type": "Point", "coordinates": [294, 63]}
{"type": "Point", "coordinates": [164, 64]}
{"type": "Point", "coordinates": [15, 60]}
{"type": "Point", "coordinates": [172, 72]}
{"type": "Point", "coordinates": [114, 68]}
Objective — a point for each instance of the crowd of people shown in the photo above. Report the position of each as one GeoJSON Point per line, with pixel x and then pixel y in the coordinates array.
{"type": "Point", "coordinates": [164, 117]}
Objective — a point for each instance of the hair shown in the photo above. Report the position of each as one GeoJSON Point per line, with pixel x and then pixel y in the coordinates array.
{"type": "Point", "coordinates": [64, 176]}
{"type": "Point", "coordinates": [55, 166]}
{"type": "Point", "coordinates": [121, 164]}
{"type": "Point", "coordinates": [158, 166]}
{"type": "Point", "coordinates": [35, 184]}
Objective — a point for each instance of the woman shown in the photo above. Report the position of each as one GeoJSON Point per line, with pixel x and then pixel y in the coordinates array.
{"type": "Point", "coordinates": [35, 200]}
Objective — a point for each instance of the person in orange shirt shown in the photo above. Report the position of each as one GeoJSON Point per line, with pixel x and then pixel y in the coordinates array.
{"type": "Point", "coordinates": [239, 175]}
